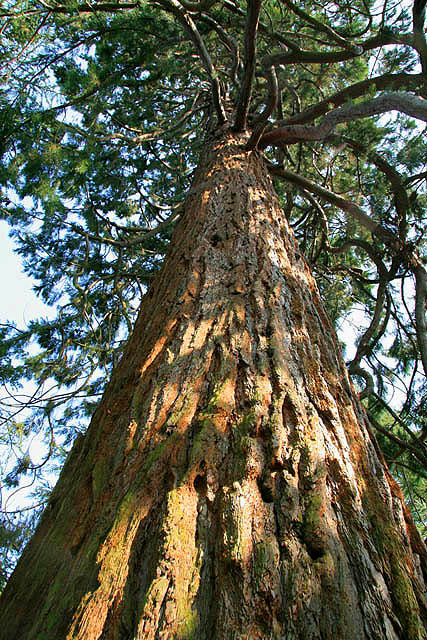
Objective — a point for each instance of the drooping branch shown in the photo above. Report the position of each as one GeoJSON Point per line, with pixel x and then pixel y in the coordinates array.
{"type": "Point", "coordinates": [383, 38]}
{"type": "Point", "coordinates": [143, 236]}
{"type": "Point", "coordinates": [242, 110]}
{"type": "Point", "coordinates": [364, 346]}
{"type": "Point", "coordinates": [415, 438]}
{"type": "Point", "coordinates": [386, 81]}
{"type": "Point", "coordinates": [174, 7]}
{"type": "Point", "coordinates": [413, 448]}
{"type": "Point", "coordinates": [229, 42]}
{"type": "Point", "coordinates": [401, 198]}
{"type": "Point", "coordinates": [407, 103]}
{"type": "Point", "coordinates": [368, 339]}
{"type": "Point", "coordinates": [420, 311]}
{"type": "Point", "coordinates": [401, 201]}
{"type": "Point", "coordinates": [323, 28]}
{"type": "Point", "coordinates": [419, 16]}
{"type": "Point", "coordinates": [418, 440]}
{"type": "Point", "coordinates": [329, 196]}
{"type": "Point", "coordinates": [273, 93]}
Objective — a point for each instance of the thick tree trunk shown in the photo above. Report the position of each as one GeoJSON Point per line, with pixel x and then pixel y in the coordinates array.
{"type": "Point", "coordinates": [227, 487]}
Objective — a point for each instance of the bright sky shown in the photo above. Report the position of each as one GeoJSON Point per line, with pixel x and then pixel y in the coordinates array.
{"type": "Point", "coordinates": [18, 301]}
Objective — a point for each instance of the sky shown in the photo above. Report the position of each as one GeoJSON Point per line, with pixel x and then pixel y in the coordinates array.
{"type": "Point", "coordinates": [18, 302]}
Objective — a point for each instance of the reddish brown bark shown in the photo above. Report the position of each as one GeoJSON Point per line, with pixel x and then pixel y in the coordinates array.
{"type": "Point", "coordinates": [227, 487]}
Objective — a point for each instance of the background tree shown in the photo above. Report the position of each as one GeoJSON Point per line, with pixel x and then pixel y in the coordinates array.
{"type": "Point", "coordinates": [105, 115]}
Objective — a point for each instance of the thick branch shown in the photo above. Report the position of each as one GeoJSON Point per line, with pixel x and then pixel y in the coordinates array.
{"type": "Point", "coordinates": [320, 26]}
{"type": "Point", "coordinates": [387, 81]}
{"type": "Point", "coordinates": [356, 370]}
{"type": "Point", "coordinates": [229, 42]}
{"type": "Point", "coordinates": [273, 93]}
{"type": "Point", "coordinates": [420, 308]}
{"type": "Point", "coordinates": [254, 7]}
{"type": "Point", "coordinates": [267, 30]}
{"type": "Point", "coordinates": [174, 7]}
{"type": "Point", "coordinates": [327, 57]}
{"type": "Point", "coordinates": [419, 16]}
{"type": "Point", "coordinates": [87, 7]}
{"type": "Point", "coordinates": [346, 205]}
{"type": "Point", "coordinates": [401, 198]}
{"type": "Point", "coordinates": [405, 102]}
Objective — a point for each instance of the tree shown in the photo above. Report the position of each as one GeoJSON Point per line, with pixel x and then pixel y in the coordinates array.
{"type": "Point", "coordinates": [229, 484]}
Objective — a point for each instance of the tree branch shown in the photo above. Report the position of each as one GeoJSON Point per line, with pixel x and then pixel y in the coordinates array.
{"type": "Point", "coordinates": [273, 93]}
{"type": "Point", "coordinates": [388, 80]}
{"type": "Point", "coordinates": [242, 110]}
{"type": "Point", "coordinates": [418, 19]}
{"type": "Point", "coordinates": [323, 28]}
{"type": "Point", "coordinates": [405, 102]}
{"type": "Point", "coordinates": [86, 7]}
{"type": "Point", "coordinates": [327, 57]}
{"type": "Point", "coordinates": [346, 205]}
{"type": "Point", "coordinates": [230, 43]}
{"type": "Point", "coordinates": [401, 198]}
{"type": "Point", "coordinates": [420, 307]}
{"type": "Point", "coordinates": [405, 445]}
{"type": "Point", "coordinates": [174, 7]}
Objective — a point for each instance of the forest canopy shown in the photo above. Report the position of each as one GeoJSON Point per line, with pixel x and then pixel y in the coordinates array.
{"type": "Point", "coordinates": [104, 109]}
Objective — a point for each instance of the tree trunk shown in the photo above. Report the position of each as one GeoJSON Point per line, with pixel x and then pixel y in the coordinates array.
{"type": "Point", "coordinates": [227, 487]}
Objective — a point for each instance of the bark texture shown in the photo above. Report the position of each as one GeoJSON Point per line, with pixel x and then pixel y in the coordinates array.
{"type": "Point", "coordinates": [228, 487]}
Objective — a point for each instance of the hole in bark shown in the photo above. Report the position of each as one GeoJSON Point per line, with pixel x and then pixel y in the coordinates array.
{"type": "Point", "coordinates": [215, 239]}
{"type": "Point", "coordinates": [277, 465]}
{"type": "Point", "coordinates": [170, 481]}
{"type": "Point", "coordinates": [269, 331]}
{"type": "Point", "coordinates": [201, 485]}
{"type": "Point", "coordinates": [314, 552]}
{"type": "Point", "coordinates": [266, 491]}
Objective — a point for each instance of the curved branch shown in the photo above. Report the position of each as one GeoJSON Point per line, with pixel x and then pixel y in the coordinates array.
{"type": "Point", "coordinates": [326, 57]}
{"type": "Point", "coordinates": [388, 80]}
{"type": "Point", "coordinates": [229, 42]}
{"type": "Point", "coordinates": [273, 93]}
{"type": "Point", "coordinates": [174, 7]}
{"type": "Point", "coordinates": [362, 244]}
{"type": "Point", "coordinates": [418, 19]}
{"type": "Point", "coordinates": [356, 370]}
{"type": "Point", "coordinates": [254, 7]}
{"type": "Point", "coordinates": [346, 205]}
{"type": "Point", "coordinates": [401, 198]}
{"type": "Point", "coordinates": [420, 307]}
{"type": "Point", "coordinates": [323, 28]}
{"type": "Point", "coordinates": [405, 102]}
{"type": "Point", "coordinates": [363, 347]}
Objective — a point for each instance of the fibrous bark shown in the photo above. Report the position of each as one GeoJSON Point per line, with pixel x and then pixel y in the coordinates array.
{"type": "Point", "coordinates": [228, 486]}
